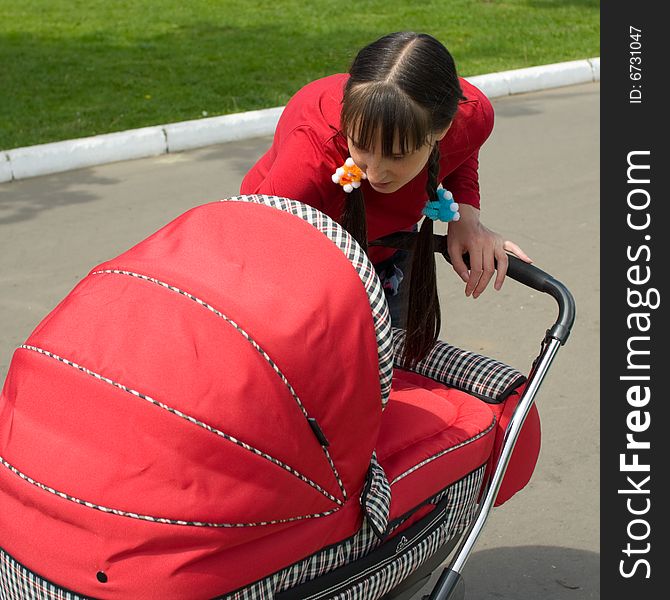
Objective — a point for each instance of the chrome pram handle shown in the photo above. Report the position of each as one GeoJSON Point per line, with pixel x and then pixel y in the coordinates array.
{"type": "Point", "coordinates": [450, 585]}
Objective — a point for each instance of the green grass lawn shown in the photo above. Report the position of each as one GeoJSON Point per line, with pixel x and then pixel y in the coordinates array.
{"type": "Point", "coordinates": [73, 68]}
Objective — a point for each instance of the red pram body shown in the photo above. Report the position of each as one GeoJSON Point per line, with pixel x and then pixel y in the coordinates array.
{"type": "Point", "coordinates": [216, 413]}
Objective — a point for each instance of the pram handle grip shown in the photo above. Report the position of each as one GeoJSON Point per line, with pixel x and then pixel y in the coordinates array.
{"type": "Point", "coordinates": [520, 271]}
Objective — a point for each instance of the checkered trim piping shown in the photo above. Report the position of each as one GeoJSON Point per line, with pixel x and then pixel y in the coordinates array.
{"type": "Point", "coordinates": [376, 498]}
{"type": "Point", "coordinates": [151, 518]}
{"type": "Point", "coordinates": [487, 379]}
{"type": "Point", "coordinates": [412, 553]}
{"type": "Point", "coordinates": [190, 419]}
{"type": "Point", "coordinates": [350, 248]}
{"type": "Point", "coordinates": [253, 343]}
{"type": "Point", "coordinates": [445, 451]}
{"type": "Point", "coordinates": [19, 583]}
{"type": "Point", "coordinates": [456, 516]}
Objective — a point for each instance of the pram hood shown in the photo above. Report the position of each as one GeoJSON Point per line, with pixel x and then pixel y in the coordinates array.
{"type": "Point", "coordinates": [227, 373]}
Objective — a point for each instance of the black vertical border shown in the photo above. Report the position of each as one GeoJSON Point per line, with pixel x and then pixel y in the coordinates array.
{"type": "Point", "coordinates": [634, 523]}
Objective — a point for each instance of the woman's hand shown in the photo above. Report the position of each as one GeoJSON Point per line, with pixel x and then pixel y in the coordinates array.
{"type": "Point", "coordinates": [486, 249]}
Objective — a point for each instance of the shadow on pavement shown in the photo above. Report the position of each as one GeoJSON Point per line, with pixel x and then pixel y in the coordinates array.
{"type": "Point", "coordinates": [530, 573]}
{"type": "Point", "coordinates": [239, 156]}
{"type": "Point", "coordinates": [24, 200]}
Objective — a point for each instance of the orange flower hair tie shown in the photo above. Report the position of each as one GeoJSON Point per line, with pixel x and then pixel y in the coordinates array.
{"type": "Point", "coordinates": [349, 175]}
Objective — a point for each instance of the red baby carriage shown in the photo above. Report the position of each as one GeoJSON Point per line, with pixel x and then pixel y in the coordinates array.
{"type": "Point", "coordinates": [216, 414]}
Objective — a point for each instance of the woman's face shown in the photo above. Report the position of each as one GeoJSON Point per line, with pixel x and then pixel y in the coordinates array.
{"type": "Point", "coordinates": [387, 174]}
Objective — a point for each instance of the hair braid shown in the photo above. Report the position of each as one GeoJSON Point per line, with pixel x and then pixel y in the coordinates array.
{"type": "Point", "coordinates": [354, 219]}
{"type": "Point", "coordinates": [423, 309]}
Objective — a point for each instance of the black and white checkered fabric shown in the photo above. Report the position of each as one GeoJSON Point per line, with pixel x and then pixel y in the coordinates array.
{"type": "Point", "coordinates": [483, 377]}
{"type": "Point", "coordinates": [376, 498]}
{"type": "Point", "coordinates": [19, 583]}
{"type": "Point", "coordinates": [359, 259]}
{"type": "Point", "coordinates": [411, 554]}
{"type": "Point", "coordinates": [404, 563]}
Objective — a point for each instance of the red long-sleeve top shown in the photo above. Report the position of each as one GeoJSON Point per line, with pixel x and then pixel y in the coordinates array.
{"type": "Point", "coordinates": [308, 146]}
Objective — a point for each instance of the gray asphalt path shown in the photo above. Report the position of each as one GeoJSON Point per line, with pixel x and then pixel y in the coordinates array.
{"type": "Point", "coordinates": [540, 188]}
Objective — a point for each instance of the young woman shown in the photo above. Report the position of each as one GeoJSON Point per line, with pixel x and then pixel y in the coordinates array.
{"type": "Point", "coordinates": [410, 124]}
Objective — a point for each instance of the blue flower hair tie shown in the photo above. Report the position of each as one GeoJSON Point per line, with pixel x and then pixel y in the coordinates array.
{"type": "Point", "coordinates": [442, 209]}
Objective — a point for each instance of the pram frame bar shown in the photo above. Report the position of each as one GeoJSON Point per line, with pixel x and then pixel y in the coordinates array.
{"type": "Point", "coordinates": [450, 585]}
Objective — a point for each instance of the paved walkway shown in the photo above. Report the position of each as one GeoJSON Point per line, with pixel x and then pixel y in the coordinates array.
{"type": "Point", "coordinates": [540, 186]}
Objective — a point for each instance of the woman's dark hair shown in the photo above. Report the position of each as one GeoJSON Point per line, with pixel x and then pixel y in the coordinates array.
{"type": "Point", "coordinates": [402, 89]}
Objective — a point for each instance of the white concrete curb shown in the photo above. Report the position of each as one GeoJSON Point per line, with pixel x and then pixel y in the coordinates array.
{"type": "Point", "coordinates": [5, 168]}
{"type": "Point", "coordinates": [85, 152]}
{"type": "Point", "coordinates": [534, 79]}
{"type": "Point", "coordinates": [56, 157]}
{"type": "Point", "coordinates": [216, 130]}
